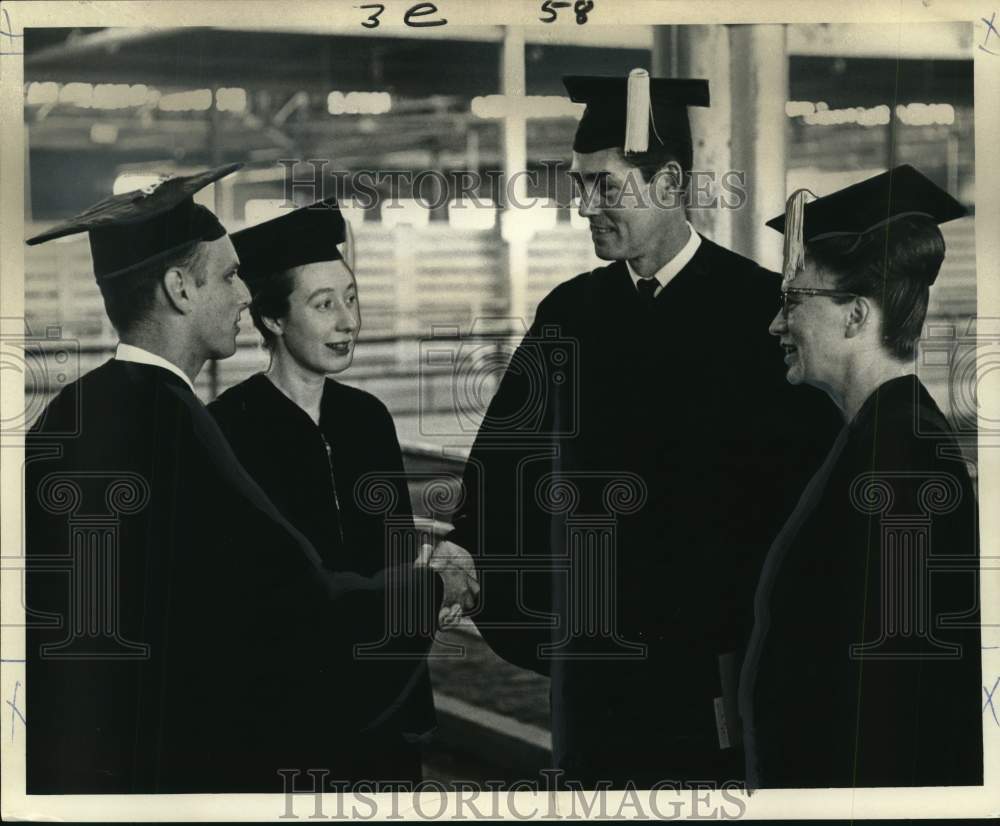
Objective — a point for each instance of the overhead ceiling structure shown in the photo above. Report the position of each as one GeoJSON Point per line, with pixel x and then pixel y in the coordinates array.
{"type": "Point", "coordinates": [431, 83]}
{"type": "Point", "coordinates": [287, 74]}
{"type": "Point", "coordinates": [466, 64]}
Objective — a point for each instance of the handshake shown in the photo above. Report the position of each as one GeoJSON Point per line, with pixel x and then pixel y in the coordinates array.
{"type": "Point", "coordinates": [458, 572]}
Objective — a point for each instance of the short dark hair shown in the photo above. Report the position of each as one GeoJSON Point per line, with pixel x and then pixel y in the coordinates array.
{"type": "Point", "coordinates": [129, 297]}
{"type": "Point", "coordinates": [894, 266]}
{"type": "Point", "coordinates": [270, 300]}
{"type": "Point", "coordinates": [658, 156]}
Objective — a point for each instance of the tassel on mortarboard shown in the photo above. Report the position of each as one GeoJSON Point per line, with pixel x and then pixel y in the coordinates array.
{"type": "Point", "coordinates": [794, 244]}
{"type": "Point", "coordinates": [860, 209]}
{"type": "Point", "coordinates": [347, 249]}
{"type": "Point", "coordinates": [638, 112]}
{"type": "Point", "coordinates": [634, 112]}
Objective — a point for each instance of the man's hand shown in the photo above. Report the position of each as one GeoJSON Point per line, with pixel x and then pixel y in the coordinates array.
{"type": "Point", "coordinates": [458, 572]}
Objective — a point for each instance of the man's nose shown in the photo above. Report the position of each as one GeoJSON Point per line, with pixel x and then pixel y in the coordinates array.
{"type": "Point", "coordinates": [779, 324]}
{"type": "Point", "coordinates": [587, 204]}
{"type": "Point", "coordinates": [244, 293]}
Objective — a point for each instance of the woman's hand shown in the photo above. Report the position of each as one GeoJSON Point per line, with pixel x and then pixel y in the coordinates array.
{"type": "Point", "coordinates": [458, 573]}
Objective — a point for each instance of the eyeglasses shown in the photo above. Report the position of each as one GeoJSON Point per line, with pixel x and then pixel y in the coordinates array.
{"type": "Point", "coordinates": [805, 292]}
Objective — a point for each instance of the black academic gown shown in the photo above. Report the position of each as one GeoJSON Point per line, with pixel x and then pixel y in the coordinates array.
{"type": "Point", "coordinates": [675, 442]}
{"type": "Point", "coordinates": [343, 485]}
{"type": "Point", "coordinates": [882, 552]}
{"type": "Point", "coordinates": [176, 618]}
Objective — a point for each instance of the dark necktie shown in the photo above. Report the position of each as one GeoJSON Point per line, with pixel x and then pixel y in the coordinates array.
{"type": "Point", "coordinates": [647, 287]}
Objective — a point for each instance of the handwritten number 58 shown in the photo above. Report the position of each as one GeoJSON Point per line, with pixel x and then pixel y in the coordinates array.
{"type": "Point", "coordinates": [581, 8]}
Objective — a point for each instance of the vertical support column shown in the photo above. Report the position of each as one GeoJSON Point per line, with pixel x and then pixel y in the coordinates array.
{"type": "Point", "coordinates": [215, 159]}
{"type": "Point", "coordinates": [703, 51]}
{"type": "Point", "coordinates": [405, 252]}
{"type": "Point", "coordinates": [759, 88]}
{"type": "Point", "coordinates": [28, 212]}
{"type": "Point", "coordinates": [743, 129]}
{"type": "Point", "coordinates": [515, 165]}
{"type": "Point", "coordinates": [665, 60]}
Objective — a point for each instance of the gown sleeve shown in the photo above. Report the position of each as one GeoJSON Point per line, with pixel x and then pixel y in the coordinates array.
{"type": "Point", "coordinates": [499, 477]}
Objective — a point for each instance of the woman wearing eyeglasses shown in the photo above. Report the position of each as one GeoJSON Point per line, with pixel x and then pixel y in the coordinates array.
{"type": "Point", "coordinates": [863, 668]}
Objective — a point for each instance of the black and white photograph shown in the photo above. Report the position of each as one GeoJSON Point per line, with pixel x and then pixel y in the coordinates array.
{"type": "Point", "coordinates": [430, 410]}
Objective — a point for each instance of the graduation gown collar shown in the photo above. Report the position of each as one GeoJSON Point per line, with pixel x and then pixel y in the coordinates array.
{"type": "Point", "coordinates": [267, 392]}
{"type": "Point", "coordinates": [685, 278]}
{"type": "Point", "coordinates": [895, 394]}
{"type": "Point", "coordinates": [142, 372]}
{"type": "Point", "coordinates": [138, 355]}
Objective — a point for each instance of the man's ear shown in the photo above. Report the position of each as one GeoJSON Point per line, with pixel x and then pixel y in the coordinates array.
{"type": "Point", "coordinates": [668, 181]}
{"type": "Point", "coordinates": [860, 313]}
{"type": "Point", "coordinates": [177, 284]}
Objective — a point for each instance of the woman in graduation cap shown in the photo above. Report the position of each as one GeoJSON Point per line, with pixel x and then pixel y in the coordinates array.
{"type": "Point", "coordinates": [328, 456]}
{"type": "Point", "coordinates": [864, 665]}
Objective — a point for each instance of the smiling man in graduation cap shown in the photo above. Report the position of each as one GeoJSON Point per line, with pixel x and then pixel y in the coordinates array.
{"type": "Point", "coordinates": [677, 398]}
{"type": "Point", "coordinates": [864, 665]}
{"type": "Point", "coordinates": [180, 615]}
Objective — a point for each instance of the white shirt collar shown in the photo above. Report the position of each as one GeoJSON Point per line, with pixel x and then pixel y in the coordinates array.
{"type": "Point", "coordinates": [129, 352]}
{"type": "Point", "coordinates": [666, 273]}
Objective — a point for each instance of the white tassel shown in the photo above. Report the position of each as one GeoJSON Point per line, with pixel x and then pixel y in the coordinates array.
{"type": "Point", "coordinates": [637, 113]}
{"type": "Point", "coordinates": [795, 252]}
{"type": "Point", "coordinates": [347, 248]}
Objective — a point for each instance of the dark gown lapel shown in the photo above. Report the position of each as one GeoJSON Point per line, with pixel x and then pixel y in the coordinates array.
{"type": "Point", "coordinates": [221, 456]}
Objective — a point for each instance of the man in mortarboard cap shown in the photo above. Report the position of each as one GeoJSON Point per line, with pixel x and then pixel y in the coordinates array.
{"type": "Point", "coordinates": [167, 272]}
{"type": "Point", "coordinates": [182, 611]}
{"type": "Point", "coordinates": [673, 402]}
{"type": "Point", "coordinates": [854, 675]}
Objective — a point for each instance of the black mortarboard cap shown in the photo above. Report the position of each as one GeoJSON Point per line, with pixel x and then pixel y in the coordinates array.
{"type": "Point", "coordinates": [135, 228]}
{"type": "Point", "coordinates": [302, 236]}
{"type": "Point", "coordinates": [605, 122]}
{"type": "Point", "coordinates": [859, 209]}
